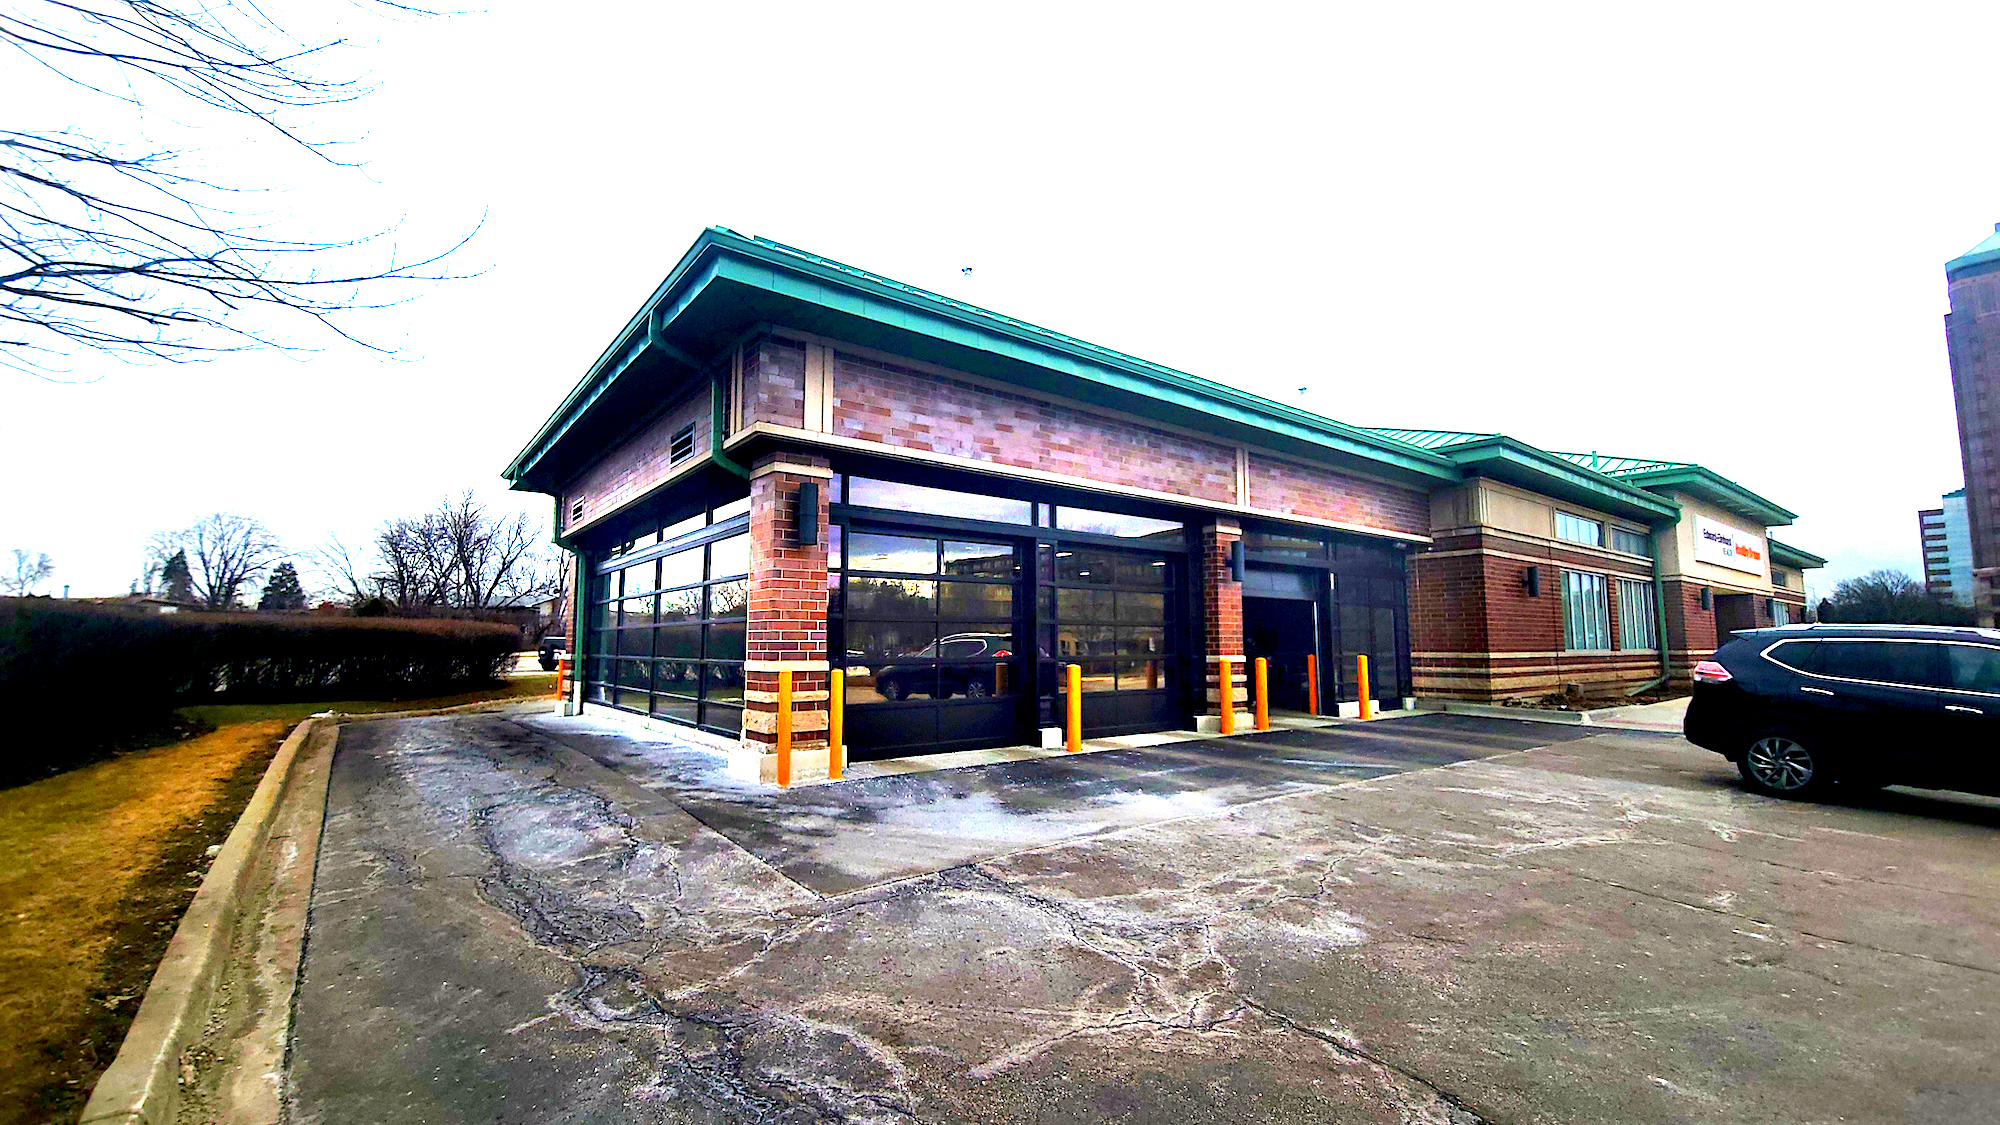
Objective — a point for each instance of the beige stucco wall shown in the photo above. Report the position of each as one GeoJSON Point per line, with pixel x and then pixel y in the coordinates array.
{"type": "Point", "coordinates": [1482, 503]}
{"type": "Point", "coordinates": [1677, 552]}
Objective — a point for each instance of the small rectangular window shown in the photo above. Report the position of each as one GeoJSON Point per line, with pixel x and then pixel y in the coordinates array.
{"type": "Point", "coordinates": [1586, 612]}
{"type": "Point", "coordinates": [682, 445]}
{"type": "Point", "coordinates": [1631, 542]}
{"type": "Point", "coordinates": [1635, 614]}
{"type": "Point", "coordinates": [1781, 613]}
{"type": "Point", "coordinates": [1116, 523]}
{"type": "Point", "coordinates": [1778, 578]}
{"type": "Point", "coordinates": [1576, 529]}
{"type": "Point", "coordinates": [575, 511]}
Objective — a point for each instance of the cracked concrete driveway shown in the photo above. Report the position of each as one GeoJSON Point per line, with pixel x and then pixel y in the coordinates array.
{"type": "Point", "coordinates": [1423, 920]}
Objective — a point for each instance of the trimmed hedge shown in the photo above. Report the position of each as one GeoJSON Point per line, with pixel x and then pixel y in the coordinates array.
{"type": "Point", "coordinates": [102, 673]}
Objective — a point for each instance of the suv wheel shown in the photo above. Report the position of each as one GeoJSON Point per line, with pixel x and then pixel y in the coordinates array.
{"type": "Point", "coordinates": [1783, 763]}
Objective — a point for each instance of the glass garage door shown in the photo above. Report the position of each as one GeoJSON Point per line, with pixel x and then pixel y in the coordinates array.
{"type": "Point", "coordinates": [1112, 613]}
{"type": "Point", "coordinates": [927, 626]}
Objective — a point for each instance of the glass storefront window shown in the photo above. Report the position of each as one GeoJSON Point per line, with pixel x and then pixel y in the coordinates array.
{"type": "Point", "coordinates": [733, 508]}
{"type": "Point", "coordinates": [1115, 523]}
{"type": "Point", "coordinates": [677, 654]}
{"type": "Point", "coordinates": [868, 493]}
{"type": "Point", "coordinates": [896, 554]}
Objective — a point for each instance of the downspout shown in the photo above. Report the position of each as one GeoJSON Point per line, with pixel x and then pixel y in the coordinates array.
{"type": "Point", "coordinates": [715, 420]}
{"type": "Point", "coordinates": [657, 338]}
{"type": "Point", "coordinates": [1659, 627]}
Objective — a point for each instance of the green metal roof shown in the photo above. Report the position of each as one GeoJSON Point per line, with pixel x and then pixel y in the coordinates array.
{"type": "Point", "coordinates": [727, 283]}
{"type": "Point", "coordinates": [1784, 554]}
{"type": "Point", "coordinates": [1516, 462]}
{"type": "Point", "coordinates": [1986, 253]}
{"type": "Point", "coordinates": [1430, 439]}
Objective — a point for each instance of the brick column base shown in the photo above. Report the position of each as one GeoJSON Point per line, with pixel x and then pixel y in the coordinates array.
{"type": "Point", "coordinates": [787, 618]}
{"type": "Point", "coordinates": [1222, 628]}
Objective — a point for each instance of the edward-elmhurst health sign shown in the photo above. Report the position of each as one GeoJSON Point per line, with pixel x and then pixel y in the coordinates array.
{"type": "Point", "coordinates": [1724, 545]}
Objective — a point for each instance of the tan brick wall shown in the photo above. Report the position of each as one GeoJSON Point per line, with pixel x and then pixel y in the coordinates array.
{"type": "Point", "coordinates": [879, 402]}
{"type": "Point", "coordinates": [637, 465]}
{"type": "Point", "coordinates": [1307, 490]}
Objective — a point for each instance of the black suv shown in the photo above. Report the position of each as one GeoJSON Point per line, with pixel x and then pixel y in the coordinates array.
{"type": "Point", "coordinates": [1801, 707]}
{"type": "Point", "coordinates": [549, 649]}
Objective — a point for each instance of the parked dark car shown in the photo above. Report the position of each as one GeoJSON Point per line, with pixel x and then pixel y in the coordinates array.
{"type": "Point", "coordinates": [974, 681]}
{"type": "Point", "coordinates": [1803, 707]}
{"type": "Point", "coordinates": [549, 649]}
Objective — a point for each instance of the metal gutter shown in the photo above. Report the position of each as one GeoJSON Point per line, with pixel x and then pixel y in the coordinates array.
{"type": "Point", "coordinates": [772, 265]}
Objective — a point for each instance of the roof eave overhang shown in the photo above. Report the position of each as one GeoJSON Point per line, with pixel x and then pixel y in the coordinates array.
{"type": "Point", "coordinates": [1784, 554]}
{"type": "Point", "coordinates": [1706, 484]}
{"type": "Point", "coordinates": [1505, 459]}
{"type": "Point", "coordinates": [734, 276]}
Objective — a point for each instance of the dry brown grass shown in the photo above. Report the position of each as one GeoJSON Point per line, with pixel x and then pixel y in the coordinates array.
{"type": "Point", "coordinates": [99, 864]}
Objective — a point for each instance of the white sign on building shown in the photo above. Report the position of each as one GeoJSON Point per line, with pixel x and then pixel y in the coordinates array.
{"type": "Point", "coordinates": [1723, 545]}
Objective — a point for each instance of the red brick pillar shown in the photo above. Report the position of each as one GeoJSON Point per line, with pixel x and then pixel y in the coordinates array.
{"type": "Point", "coordinates": [787, 625]}
{"type": "Point", "coordinates": [1690, 629]}
{"type": "Point", "coordinates": [1222, 618]}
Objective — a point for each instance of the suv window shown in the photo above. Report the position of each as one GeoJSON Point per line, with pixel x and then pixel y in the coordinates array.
{"type": "Point", "coordinates": [961, 650]}
{"type": "Point", "coordinates": [1802, 655]}
{"type": "Point", "coordinates": [1892, 662]}
{"type": "Point", "coordinates": [1974, 668]}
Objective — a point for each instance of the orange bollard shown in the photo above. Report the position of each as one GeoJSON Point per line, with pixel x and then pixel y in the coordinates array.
{"type": "Point", "coordinates": [1073, 713]}
{"type": "Point", "coordinates": [1312, 683]}
{"type": "Point", "coordinates": [836, 723]}
{"type": "Point", "coordinates": [1227, 673]}
{"type": "Point", "coordinates": [562, 677]}
{"type": "Point", "coordinates": [1361, 676]}
{"type": "Point", "coordinates": [784, 727]}
{"type": "Point", "coordinates": [1263, 694]}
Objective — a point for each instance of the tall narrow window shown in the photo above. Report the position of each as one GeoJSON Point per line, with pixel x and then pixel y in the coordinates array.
{"type": "Point", "coordinates": [1586, 612]}
{"type": "Point", "coordinates": [1636, 615]}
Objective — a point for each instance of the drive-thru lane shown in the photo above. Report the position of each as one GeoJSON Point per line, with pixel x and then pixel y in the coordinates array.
{"type": "Point", "coordinates": [513, 926]}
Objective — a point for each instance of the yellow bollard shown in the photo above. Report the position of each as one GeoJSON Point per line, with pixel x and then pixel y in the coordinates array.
{"type": "Point", "coordinates": [1361, 676]}
{"type": "Point", "coordinates": [1073, 710]}
{"type": "Point", "coordinates": [836, 723]}
{"type": "Point", "coordinates": [1312, 683]}
{"type": "Point", "coordinates": [785, 727]}
{"type": "Point", "coordinates": [1263, 694]}
{"type": "Point", "coordinates": [1226, 667]}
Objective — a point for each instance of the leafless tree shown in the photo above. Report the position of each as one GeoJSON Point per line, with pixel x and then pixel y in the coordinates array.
{"type": "Point", "coordinates": [120, 248]}
{"type": "Point", "coordinates": [458, 555]}
{"type": "Point", "coordinates": [28, 570]}
{"type": "Point", "coordinates": [226, 554]}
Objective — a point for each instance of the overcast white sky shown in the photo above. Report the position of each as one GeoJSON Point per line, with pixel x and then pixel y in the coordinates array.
{"type": "Point", "coordinates": [1693, 232]}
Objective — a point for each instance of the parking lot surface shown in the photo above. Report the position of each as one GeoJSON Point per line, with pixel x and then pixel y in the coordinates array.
{"type": "Point", "coordinates": [1434, 919]}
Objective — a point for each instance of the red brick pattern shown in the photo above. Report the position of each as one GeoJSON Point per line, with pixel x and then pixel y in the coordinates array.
{"type": "Point", "coordinates": [637, 465]}
{"type": "Point", "coordinates": [1307, 490]}
{"type": "Point", "coordinates": [787, 617]}
{"type": "Point", "coordinates": [1690, 628]}
{"type": "Point", "coordinates": [1222, 614]}
{"type": "Point", "coordinates": [879, 402]}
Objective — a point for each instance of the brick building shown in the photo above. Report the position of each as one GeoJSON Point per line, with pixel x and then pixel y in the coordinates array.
{"type": "Point", "coordinates": [785, 463]}
{"type": "Point", "coordinates": [1972, 338]}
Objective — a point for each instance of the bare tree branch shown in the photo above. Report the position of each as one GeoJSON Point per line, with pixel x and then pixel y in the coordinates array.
{"type": "Point", "coordinates": [110, 248]}
{"type": "Point", "coordinates": [26, 571]}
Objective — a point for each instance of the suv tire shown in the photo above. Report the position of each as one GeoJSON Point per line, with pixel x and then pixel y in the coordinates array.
{"type": "Point", "coordinates": [1782, 762]}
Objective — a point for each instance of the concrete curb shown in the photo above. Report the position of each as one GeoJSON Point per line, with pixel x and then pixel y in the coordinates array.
{"type": "Point", "coordinates": [247, 919]}
{"type": "Point", "coordinates": [1597, 718]}
{"type": "Point", "coordinates": [143, 1083]}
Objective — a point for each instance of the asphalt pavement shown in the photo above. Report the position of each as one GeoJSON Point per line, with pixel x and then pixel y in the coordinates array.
{"type": "Point", "coordinates": [1437, 919]}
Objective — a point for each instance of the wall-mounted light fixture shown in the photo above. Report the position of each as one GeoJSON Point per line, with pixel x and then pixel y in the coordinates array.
{"type": "Point", "coordinates": [1236, 561]}
{"type": "Point", "coordinates": [1707, 598]}
{"type": "Point", "coordinates": [1531, 581]}
{"type": "Point", "coordinates": [808, 514]}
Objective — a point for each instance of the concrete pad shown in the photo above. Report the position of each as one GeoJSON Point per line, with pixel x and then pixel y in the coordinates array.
{"type": "Point", "coordinates": [1602, 929]}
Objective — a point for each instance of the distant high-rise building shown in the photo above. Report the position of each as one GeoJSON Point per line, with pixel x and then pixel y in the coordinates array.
{"type": "Point", "coordinates": [1946, 538]}
{"type": "Point", "coordinates": [1972, 335]}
